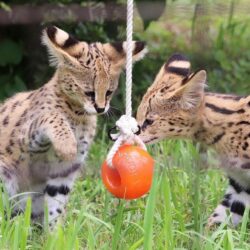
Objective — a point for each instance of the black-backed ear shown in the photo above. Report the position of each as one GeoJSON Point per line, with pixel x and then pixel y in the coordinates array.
{"type": "Point", "coordinates": [62, 46]}
{"type": "Point", "coordinates": [179, 65]}
{"type": "Point", "coordinates": [117, 51]}
{"type": "Point", "coordinates": [191, 94]}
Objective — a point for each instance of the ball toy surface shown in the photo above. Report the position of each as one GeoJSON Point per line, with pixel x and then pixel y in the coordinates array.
{"type": "Point", "coordinates": [132, 173]}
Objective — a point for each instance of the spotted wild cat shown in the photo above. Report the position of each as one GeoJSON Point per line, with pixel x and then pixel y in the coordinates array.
{"type": "Point", "coordinates": [176, 106]}
{"type": "Point", "coordinates": [45, 134]}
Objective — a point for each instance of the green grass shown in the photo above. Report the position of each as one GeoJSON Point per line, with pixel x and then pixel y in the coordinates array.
{"type": "Point", "coordinates": [172, 216]}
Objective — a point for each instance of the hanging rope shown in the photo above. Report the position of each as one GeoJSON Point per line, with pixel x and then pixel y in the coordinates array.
{"type": "Point", "coordinates": [127, 125]}
{"type": "Point", "coordinates": [129, 57]}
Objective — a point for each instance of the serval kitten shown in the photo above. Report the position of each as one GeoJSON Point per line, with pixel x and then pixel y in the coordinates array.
{"type": "Point", "coordinates": [46, 133]}
{"type": "Point", "coordinates": [176, 106]}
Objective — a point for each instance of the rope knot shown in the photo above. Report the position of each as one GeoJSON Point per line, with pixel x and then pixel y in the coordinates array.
{"type": "Point", "coordinates": [128, 130]}
{"type": "Point", "coordinates": [127, 125]}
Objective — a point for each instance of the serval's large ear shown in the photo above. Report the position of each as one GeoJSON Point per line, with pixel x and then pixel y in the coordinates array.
{"type": "Point", "coordinates": [177, 68]}
{"type": "Point", "coordinates": [191, 94]}
{"type": "Point", "coordinates": [116, 52]}
{"type": "Point", "coordinates": [62, 47]}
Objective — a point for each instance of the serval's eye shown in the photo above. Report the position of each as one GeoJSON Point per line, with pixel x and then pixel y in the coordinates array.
{"type": "Point", "coordinates": [146, 123]}
{"type": "Point", "coordinates": [108, 93]}
{"type": "Point", "coordinates": [90, 94]}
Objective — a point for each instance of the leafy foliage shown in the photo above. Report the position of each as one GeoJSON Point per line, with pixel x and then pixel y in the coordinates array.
{"type": "Point", "coordinates": [11, 56]}
{"type": "Point", "coordinates": [11, 53]}
{"type": "Point", "coordinates": [232, 56]}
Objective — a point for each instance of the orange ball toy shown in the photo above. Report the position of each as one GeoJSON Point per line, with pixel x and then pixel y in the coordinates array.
{"type": "Point", "coordinates": [132, 173]}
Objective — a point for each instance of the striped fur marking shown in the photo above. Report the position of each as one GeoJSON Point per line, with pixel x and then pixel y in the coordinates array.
{"type": "Point", "coordinates": [139, 46]}
{"type": "Point", "coordinates": [238, 207]}
{"type": "Point", "coordinates": [71, 41]}
{"type": "Point", "coordinates": [243, 123]}
{"type": "Point", "coordinates": [245, 165]}
{"type": "Point", "coordinates": [118, 46]}
{"type": "Point", "coordinates": [178, 64]}
{"type": "Point", "coordinates": [217, 138]}
{"type": "Point", "coordinates": [61, 38]}
{"type": "Point", "coordinates": [226, 96]}
{"type": "Point", "coordinates": [178, 71]}
{"type": "Point", "coordinates": [235, 185]}
{"type": "Point", "coordinates": [224, 111]}
{"type": "Point", "coordinates": [51, 32]}
{"type": "Point", "coordinates": [228, 196]}
{"type": "Point", "coordinates": [225, 203]}
{"type": "Point", "coordinates": [52, 190]}
{"type": "Point", "coordinates": [177, 58]}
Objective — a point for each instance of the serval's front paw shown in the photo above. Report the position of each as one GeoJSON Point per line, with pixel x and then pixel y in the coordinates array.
{"type": "Point", "coordinates": [213, 222]}
{"type": "Point", "coordinates": [218, 217]}
{"type": "Point", "coordinates": [66, 150]}
{"type": "Point", "coordinates": [55, 222]}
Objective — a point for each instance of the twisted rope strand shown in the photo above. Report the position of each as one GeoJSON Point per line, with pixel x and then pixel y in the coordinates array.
{"type": "Point", "coordinates": [127, 125]}
{"type": "Point", "coordinates": [129, 57]}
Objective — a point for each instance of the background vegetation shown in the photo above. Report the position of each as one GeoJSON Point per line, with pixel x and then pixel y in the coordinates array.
{"type": "Point", "coordinates": [215, 35]}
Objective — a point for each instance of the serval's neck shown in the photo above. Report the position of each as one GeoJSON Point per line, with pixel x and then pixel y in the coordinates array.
{"type": "Point", "coordinates": [219, 112]}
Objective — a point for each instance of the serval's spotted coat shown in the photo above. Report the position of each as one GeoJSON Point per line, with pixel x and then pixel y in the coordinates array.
{"type": "Point", "coordinates": [45, 134]}
{"type": "Point", "coordinates": [176, 106]}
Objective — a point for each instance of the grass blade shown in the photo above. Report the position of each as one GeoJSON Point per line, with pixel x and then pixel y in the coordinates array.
{"type": "Point", "coordinates": [149, 216]}
{"type": "Point", "coordinates": [26, 225]}
{"type": "Point", "coordinates": [118, 225]}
